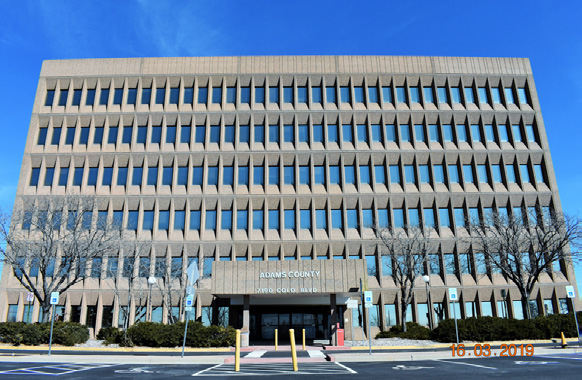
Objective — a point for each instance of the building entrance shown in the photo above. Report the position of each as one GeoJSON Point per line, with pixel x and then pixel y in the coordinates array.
{"type": "Point", "coordinates": [265, 319]}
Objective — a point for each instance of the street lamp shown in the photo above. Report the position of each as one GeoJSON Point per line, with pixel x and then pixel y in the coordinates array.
{"type": "Point", "coordinates": [151, 282]}
{"type": "Point", "coordinates": [426, 279]}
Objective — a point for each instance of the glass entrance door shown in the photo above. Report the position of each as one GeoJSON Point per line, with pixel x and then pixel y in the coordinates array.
{"type": "Point", "coordinates": [313, 319]}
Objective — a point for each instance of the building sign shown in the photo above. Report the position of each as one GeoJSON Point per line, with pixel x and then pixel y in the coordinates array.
{"type": "Point", "coordinates": [290, 274]}
{"type": "Point", "coordinates": [287, 277]}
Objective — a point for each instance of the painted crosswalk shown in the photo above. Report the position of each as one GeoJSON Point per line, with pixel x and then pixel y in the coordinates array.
{"type": "Point", "coordinates": [273, 369]}
{"type": "Point", "coordinates": [55, 369]}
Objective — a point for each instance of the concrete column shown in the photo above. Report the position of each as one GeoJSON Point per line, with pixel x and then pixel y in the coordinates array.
{"type": "Point", "coordinates": [334, 321]}
{"type": "Point", "coordinates": [115, 321]}
{"type": "Point", "coordinates": [246, 321]}
{"type": "Point", "coordinates": [99, 316]}
{"type": "Point", "coordinates": [382, 313]}
{"type": "Point", "coordinates": [198, 307]}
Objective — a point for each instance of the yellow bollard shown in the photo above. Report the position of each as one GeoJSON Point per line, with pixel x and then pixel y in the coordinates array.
{"type": "Point", "coordinates": [237, 352]}
{"type": "Point", "coordinates": [293, 353]}
{"type": "Point", "coordinates": [303, 339]}
{"type": "Point", "coordinates": [276, 339]}
{"type": "Point", "coordinates": [564, 343]}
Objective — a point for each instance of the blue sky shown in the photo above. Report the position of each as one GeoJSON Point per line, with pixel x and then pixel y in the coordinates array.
{"type": "Point", "coordinates": [545, 32]}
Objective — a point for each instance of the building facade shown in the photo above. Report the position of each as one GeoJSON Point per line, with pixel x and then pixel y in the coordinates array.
{"type": "Point", "coordinates": [266, 172]}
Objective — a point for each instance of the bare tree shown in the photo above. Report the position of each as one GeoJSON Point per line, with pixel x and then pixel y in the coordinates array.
{"type": "Point", "coordinates": [407, 250]}
{"type": "Point", "coordinates": [171, 284]}
{"type": "Point", "coordinates": [523, 248]}
{"type": "Point", "coordinates": [130, 281]}
{"type": "Point", "coordinates": [50, 240]}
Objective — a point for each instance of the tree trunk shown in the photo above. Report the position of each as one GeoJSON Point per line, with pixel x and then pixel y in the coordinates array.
{"type": "Point", "coordinates": [46, 312]}
{"type": "Point", "coordinates": [525, 305]}
{"type": "Point", "coordinates": [404, 308]}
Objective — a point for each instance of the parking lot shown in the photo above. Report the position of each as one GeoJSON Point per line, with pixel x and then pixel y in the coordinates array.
{"type": "Point", "coordinates": [567, 365]}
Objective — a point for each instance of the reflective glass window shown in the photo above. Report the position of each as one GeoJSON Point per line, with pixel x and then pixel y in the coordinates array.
{"type": "Point", "coordinates": [394, 174]}
{"type": "Point", "coordinates": [387, 94]}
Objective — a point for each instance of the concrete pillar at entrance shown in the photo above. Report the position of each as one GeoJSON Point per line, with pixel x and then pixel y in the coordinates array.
{"type": "Point", "coordinates": [244, 341]}
{"type": "Point", "coordinates": [334, 320]}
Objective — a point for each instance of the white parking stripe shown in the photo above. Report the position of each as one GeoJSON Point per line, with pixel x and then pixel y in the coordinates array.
{"type": "Point", "coordinates": [256, 354]}
{"type": "Point", "coordinates": [458, 362]}
{"type": "Point", "coordinates": [347, 368]}
{"type": "Point", "coordinates": [207, 369]}
{"type": "Point", "coordinates": [315, 354]}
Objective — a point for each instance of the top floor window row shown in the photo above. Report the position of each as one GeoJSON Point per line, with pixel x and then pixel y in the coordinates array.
{"type": "Point", "coordinates": [292, 134]}
{"type": "Point", "coordinates": [279, 93]}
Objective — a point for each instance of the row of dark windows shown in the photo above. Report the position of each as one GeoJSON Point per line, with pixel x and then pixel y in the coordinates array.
{"type": "Point", "coordinates": [292, 95]}
{"type": "Point", "coordinates": [292, 175]}
{"type": "Point", "coordinates": [280, 218]}
{"type": "Point", "coordinates": [146, 266]}
{"type": "Point", "coordinates": [293, 134]}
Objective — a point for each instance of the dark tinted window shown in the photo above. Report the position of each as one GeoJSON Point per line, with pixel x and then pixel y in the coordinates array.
{"type": "Point", "coordinates": [50, 97]}
{"type": "Point", "coordinates": [34, 176]}
{"type": "Point", "coordinates": [48, 179]}
{"type": "Point", "coordinates": [90, 97]}
{"type": "Point", "coordinates": [98, 138]}
{"type": "Point", "coordinates": [142, 133]}
{"type": "Point", "coordinates": [170, 135]}
{"type": "Point", "coordinates": [245, 95]}
{"type": "Point", "coordinates": [131, 95]}
{"type": "Point", "coordinates": [174, 95]}
{"type": "Point", "coordinates": [70, 137]}
{"type": "Point", "coordinates": [112, 138]}
{"type": "Point", "coordinates": [122, 176]}
{"type": "Point", "coordinates": [84, 136]}
{"type": "Point", "coordinates": [146, 95]}
{"type": "Point", "coordinates": [118, 96]}
{"type": "Point", "coordinates": [63, 97]}
{"type": "Point", "coordinates": [92, 178]}
{"type": "Point", "coordinates": [56, 136]}
{"type": "Point", "coordinates": [42, 132]}
{"type": "Point", "coordinates": [76, 97]}
{"type": "Point", "coordinates": [104, 98]}
{"type": "Point", "coordinates": [160, 95]}
{"type": "Point", "coordinates": [156, 135]}
{"type": "Point", "coordinates": [185, 134]}
{"type": "Point", "coordinates": [202, 95]}
{"type": "Point", "coordinates": [127, 132]}
{"type": "Point", "coordinates": [188, 95]}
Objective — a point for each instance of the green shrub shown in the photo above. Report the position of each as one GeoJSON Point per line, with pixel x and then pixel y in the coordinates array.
{"type": "Point", "coordinates": [110, 335]}
{"type": "Point", "coordinates": [70, 333]}
{"type": "Point", "coordinates": [65, 333]}
{"type": "Point", "coordinates": [150, 334]}
{"type": "Point", "coordinates": [413, 331]}
{"type": "Point", "coordinates": [482, 329]}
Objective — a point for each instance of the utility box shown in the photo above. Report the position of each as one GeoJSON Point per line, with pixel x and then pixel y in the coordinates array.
{"type": "Point", "coordinates": [340, 336]}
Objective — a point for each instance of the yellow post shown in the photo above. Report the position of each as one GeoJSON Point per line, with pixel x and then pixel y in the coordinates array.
{"type": "Point", "coordinates": [303, 339]}
{"type": "Point", "coordinates": [293, 353]}
{"type": "Point", "coordinates": [237, 352]}
{"type": "Point", "coordinates": [276, 339]}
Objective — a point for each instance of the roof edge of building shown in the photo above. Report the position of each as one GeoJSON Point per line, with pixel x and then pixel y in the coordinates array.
{"type": "Point", "coordinates": [266, 65]}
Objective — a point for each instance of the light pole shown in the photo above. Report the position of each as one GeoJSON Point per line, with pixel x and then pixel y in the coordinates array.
{"type": "Point", "coordinates": [151, 282]}
{"type": "Point", "coordinates": [426, 279]}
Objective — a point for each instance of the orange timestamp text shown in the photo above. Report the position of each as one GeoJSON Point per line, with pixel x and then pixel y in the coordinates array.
{"type": "Point", "coordinates": [485, 350]}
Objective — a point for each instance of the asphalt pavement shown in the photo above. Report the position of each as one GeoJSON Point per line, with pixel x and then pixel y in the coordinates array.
{"type": "Point", "coordinates": [435, 362]}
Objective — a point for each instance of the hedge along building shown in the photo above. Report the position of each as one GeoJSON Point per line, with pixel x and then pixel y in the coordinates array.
{"type": "Point", "coordinates": [267, 171]}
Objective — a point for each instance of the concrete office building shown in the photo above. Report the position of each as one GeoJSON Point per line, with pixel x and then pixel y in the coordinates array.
{"type": "Point", "coordinates": [267, 171]}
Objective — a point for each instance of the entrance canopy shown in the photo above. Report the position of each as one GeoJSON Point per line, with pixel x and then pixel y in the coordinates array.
{"type": "Point", "coordinates": [287, 278]}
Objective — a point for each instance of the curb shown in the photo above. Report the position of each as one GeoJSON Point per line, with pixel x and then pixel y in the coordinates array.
{"type": "Point", "coordinates": [115, 349]}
